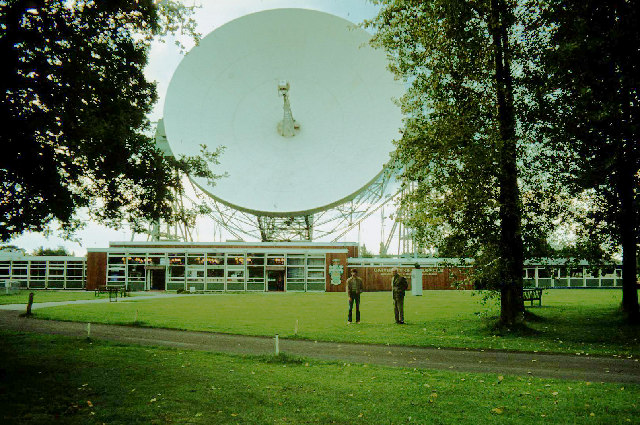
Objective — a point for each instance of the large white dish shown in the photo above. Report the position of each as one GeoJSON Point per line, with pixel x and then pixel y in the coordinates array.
{"type": "Point", "coordinates": [225, 92]}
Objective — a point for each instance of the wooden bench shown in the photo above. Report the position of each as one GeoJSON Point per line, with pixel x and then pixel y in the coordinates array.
{"type": "Point", "coordinates": [532, 294]}
{"type": "Point", "coordinates": [112, 290]}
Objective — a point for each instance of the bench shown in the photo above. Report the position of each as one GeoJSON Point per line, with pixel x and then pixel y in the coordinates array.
{"type": "Point", "coordinates": [532, 294]}
{"type": "Point", "coordinates": [112, 290]}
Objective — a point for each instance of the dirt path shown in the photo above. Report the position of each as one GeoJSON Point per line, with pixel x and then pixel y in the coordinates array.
{"type": "Point", "coordinates": [583, 368]}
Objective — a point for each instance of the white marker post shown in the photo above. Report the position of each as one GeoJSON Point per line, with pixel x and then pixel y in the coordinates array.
{"type": "Point", "coordinates": [277, 345]}
{"type": "Point", "coordinates": [89, 330]}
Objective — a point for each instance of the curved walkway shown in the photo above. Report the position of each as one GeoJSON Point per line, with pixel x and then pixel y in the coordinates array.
{"type": "Point", "coordinates": [561, 366]}
{"type": "Point", "coordinates": [37, 305]}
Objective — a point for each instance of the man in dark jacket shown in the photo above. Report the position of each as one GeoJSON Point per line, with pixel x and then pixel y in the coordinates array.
{"type": "Point", "coordinates": [399, 285]}
{"type": "Point", "coordinates": [354, 289]}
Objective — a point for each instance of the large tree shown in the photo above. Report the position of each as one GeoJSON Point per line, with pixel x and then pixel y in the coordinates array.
{"type": "Point", "coordinates": [74, 108]}
{"type": "Point", "coordinates": [460, 144]}
{"type": "Point", "coordinates": [585, 66]}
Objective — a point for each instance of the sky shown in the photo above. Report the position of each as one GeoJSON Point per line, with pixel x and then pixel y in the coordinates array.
{"type": "Point", "coordinates": [164, 59]}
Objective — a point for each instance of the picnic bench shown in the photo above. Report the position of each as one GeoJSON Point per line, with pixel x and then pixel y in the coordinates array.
{"type": "Point", "coordinates": [113, 291]}
{"type": "Point", "coordinates": [532, 294]}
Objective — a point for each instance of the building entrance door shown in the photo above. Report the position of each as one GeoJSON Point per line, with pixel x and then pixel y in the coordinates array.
{"type": "Point", "coordinates": [275, 280]}
{"type": "Point", "coordinates": [157, 279]}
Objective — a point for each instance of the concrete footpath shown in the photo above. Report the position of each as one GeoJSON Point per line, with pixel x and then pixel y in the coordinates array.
{"type": "Point", "coordinates": [583, 368]}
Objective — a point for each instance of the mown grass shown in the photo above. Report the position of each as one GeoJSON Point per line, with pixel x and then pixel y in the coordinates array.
{"type": "Point", "coordinates": [569, 321]}
{"type": "Point", "coordinates": [50, 295]}
{"type": "Point", "coordinates": [53, 379]}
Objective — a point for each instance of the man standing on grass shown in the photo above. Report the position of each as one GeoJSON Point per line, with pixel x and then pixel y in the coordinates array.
{"type": "Point", "coordinates": [354, 288]}
{"type": "Point", "coordinates": [399, 285]}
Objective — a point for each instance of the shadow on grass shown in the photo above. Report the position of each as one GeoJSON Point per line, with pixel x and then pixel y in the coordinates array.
{"type": "Point", "coordinates": [495, 327]}
{"type": "Point", "coordinates": [534, 318]}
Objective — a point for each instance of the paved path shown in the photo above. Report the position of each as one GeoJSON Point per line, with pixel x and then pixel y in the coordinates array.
{"type": "Point", "coordinates": [584, 368]}
{"type": "Point", "coordinates": [36, 305]}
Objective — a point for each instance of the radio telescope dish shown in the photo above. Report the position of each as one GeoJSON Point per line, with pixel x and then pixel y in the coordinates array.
{"type": "Point", "coordinates": [301, 102]}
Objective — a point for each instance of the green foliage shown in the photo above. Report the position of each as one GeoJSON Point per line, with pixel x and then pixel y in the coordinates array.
{"type": "Point", "coordinates": [459, 152]}
{"type": "Point", "coordinates": [13, 248]}
{"type": "Point", "coordinates": [48, 252]}
{"type": "Point", "coordinates": [364, 252]}
{"type": "Point", "coordinates": [74, 106]}
{"type": "Point", "coordinates": [584, 106]}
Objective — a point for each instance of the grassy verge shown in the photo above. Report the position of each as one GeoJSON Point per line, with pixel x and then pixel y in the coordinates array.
{"type": "Point", "coordinates": [570, 321]}
{"type": "Point", "coordinates": [51, 295]}
{"type": "Point", "coordinates": [63, 380]}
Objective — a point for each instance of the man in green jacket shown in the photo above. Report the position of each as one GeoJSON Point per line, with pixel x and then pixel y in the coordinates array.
{"type": "Point", "coordinates": [399, 285]}
{"type": "Point", "coordinates": [354, 289]}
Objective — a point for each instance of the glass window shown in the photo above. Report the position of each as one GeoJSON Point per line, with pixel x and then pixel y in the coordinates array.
{"type": "Point", "coordinates": [176, 259]}
{"type": "Point", "coordinates": [19, 268]}
{"type": "Point", "coordinates": [215, 273]}
{"type": "Point", "coordinates": [56, 272]}
{"type": "Point", "coordinates": [295, 272]}
{"type": "Point", "coordinates": [256, 272]}
{"type": "Point", "coordinates": [38, 269]}
{"type": "Point", "coordinates": [115, 276]}
{"type": "Point", "coordinates": [136, 272]}
{"type": "Point", "coordinates": [117, 259]}
{"type": "Point", "coordinates": [316, 274]}
{"type": "Point", "coordinates": [195, 259]}
{"type": "Point", "coordinates": [295, 260]}
{"type": "Point", "coordinates": [315, 261]}
{"type": "Point", "coordinates": [75, 268]}
{"type": "Point", "coordinates": [275, 260]}
{"type": "Point", "coordinates": [255, 259]}
{"type": "Point", "coordinates": [215, 259]}
{"type": "Point", "coordinates": [176, 271]}
{"type": "Point", "coordinates": [137, 259]}
{"type": "Point", "coordinates": [235, 280]}
{"type": "Point", "coordinates": [544, 273]}
{"type": "Point", "coordinates": [576, 273]}
{"type": "Point", "coordinates": [195, 272]}
{"type": "Point", "coordinates": [235, 259]}
{"type": "Point", "coordinates": [4, 268]}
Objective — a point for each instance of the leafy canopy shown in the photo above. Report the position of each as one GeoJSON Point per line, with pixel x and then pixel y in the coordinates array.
{"type": "Point", "coordinates": [73, 109]}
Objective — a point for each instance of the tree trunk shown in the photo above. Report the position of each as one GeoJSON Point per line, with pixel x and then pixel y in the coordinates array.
{"type": "Point", "coordinates": [627, 166]}
{"type": "Point", "coordinates": [512, 257]}
{"type": "Point", "coordinates": [627, 222]}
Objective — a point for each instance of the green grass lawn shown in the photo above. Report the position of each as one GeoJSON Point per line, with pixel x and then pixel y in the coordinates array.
{"type": "Point", "coordinates": [53, 379]}
{"type": "Point", "coordinates": [44, 296]}
{"type": "Point", "coordinates": [570, 321]}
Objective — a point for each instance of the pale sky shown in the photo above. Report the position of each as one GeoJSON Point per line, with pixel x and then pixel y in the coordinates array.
{"type": "Point", "coordinates": [164, 58]}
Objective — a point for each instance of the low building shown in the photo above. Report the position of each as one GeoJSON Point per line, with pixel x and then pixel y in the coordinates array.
{"type": "Point", "coordinates": [224, 266]}
{"type": "Point", "coordinates": [268, 267]}
{"type": "Point", "coordinates": [567, 273]}
{"type": "Point", "coordinates": [42, 272]}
